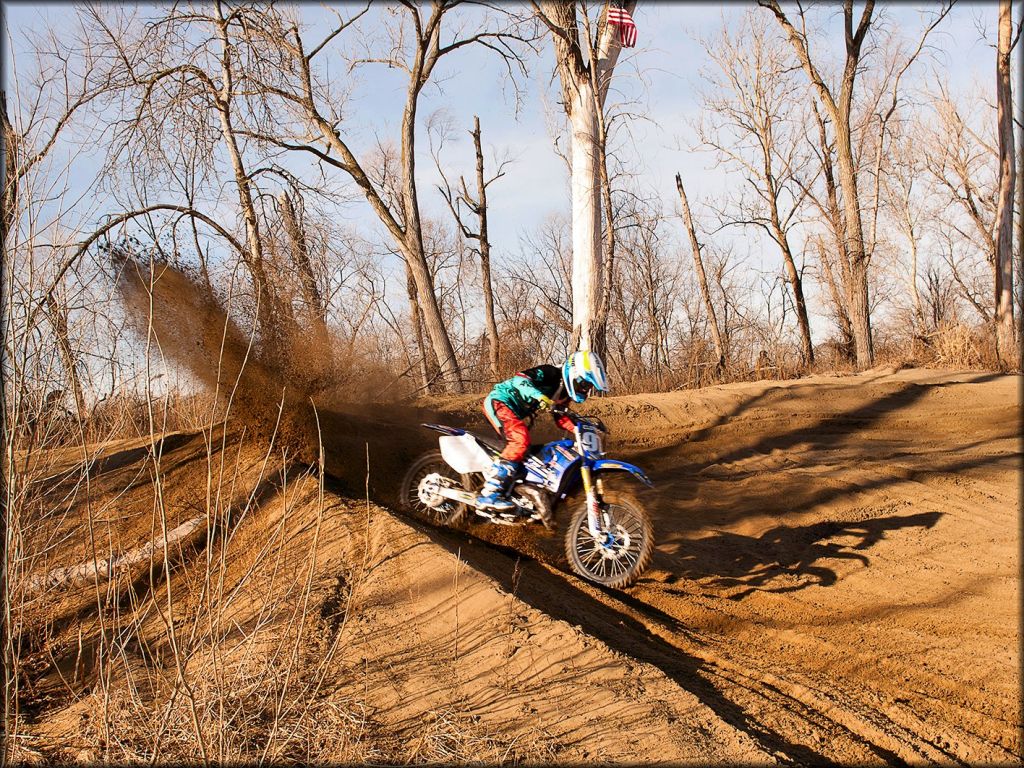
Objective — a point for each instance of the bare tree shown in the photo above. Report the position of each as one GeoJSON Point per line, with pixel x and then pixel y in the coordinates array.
{"type": "Point", "coordinates": [901, 192]}
{"type": "Point", "coordinates": [61, 88]}
{"type": "Point", "coordinates": [295, 232]}
{"type": "Point", "coordinates": [702, 280]}
{"type": "Point", "coordinates": [835, 291]}
{"type": "Point", "coordinates": [961, 160]}
{"type": "Point", "coordinates": [645, 292]}
{"type": "Point", "coordinates": [197, 61]}
{"type": "Point", "coordinates": [477, 206]}
{"type": "Point", "coordinates": [1006, 346]}
{"type": "Point", "coordinates": [585, 59]}
{"type": "Point", "coordinates": [1019, 269]}
{"type": "Point", "coordinates": [860, 129]}
{"type": "Point", "coordinates": [417, 48]}
{"type": "Point", "coordinates": [838, 105]}
{"type": "Point", "coordinates": [748, 128]}
{"type": "Point", "coordinates": [534, 298]}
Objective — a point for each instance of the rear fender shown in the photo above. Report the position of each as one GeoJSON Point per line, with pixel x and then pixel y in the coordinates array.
{"type": "Point", "coordinates": [464, 454]}
{"type": "Point", "coordinates": [614, 465]}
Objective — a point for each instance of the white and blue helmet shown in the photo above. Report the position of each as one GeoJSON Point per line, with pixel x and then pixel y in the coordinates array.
{"type": "Point", "coordinates": [581, 373]}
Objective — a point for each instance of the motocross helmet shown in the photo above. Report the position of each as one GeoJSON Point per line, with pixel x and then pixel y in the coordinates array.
{"type": "Point", "coordinates": [583, 372]}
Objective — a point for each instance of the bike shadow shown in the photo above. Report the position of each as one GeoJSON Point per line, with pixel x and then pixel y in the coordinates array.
{"type": "Point", "coordinates": [784, 558]}
{"type": "Point", "coordinates": [629, 628]}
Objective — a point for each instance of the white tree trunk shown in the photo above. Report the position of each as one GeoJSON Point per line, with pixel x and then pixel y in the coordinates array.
{"type": "Point", "coordinates": [1006, 347]}
{"type": "Point", "coordinates": [585, 84]}
{"type": "Point", "coordinates": [587, 270]}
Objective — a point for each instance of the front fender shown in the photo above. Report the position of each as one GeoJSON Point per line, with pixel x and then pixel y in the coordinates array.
{"type": "Point", "coordinates": [614, 465]}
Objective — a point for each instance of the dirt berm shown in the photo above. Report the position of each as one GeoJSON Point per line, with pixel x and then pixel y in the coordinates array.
{"type": "Point", "coordinates": [836, 580]}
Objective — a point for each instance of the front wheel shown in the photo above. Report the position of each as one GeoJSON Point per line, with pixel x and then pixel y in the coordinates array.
{"type": "Point", "coordinates": [626, 551]}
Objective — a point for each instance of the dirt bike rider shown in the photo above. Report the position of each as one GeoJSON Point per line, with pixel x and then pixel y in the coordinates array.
{"type": "Point", "coordinates": [520, 397]}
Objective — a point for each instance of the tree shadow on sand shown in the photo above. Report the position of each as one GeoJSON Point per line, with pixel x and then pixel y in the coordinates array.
{"type": "Point", "coordinates": [786, 559]}
{"type": "Point", "coordinates": [682, 468]}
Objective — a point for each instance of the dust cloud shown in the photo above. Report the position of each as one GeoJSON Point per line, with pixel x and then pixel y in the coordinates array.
{"type": "Point", "coordinates": [265, 379]}
{"type": "Point", "coordinates": [282, 379]}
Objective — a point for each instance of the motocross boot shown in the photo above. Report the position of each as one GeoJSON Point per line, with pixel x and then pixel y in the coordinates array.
{"type": "Point", "coordinates": [494, 494]}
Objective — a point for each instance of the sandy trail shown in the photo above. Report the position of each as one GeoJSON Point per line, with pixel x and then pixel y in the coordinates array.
{"type": "Point", "coordinates": [838, 562]}
{"type": "Point", "coordinates": [460, 662]}
{"type": "Point", "coordinates": [836, 580]}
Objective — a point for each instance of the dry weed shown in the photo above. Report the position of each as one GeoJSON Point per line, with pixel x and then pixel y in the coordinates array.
{"type": "Point", "coordinates": [451, 737]}
{"type": "Point", "coordinates": [956, 345]}
{"type": "Point", "coordinates": [247, 709]}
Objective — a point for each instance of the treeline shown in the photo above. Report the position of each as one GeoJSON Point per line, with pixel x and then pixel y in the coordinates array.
{"type": "Point", "coordinates": [219, 138]}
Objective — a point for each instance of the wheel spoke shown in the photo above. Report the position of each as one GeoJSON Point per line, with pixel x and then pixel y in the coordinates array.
{"type": "Point", "coordinates": [590, 555]}
{"type": "Point", "coordinates": [615, 559]}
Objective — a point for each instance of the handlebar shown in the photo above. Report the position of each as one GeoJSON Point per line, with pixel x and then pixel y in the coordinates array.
{"type": "Point", "coordinates": [592, 421]}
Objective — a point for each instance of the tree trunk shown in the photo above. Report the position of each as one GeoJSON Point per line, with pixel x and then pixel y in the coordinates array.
{"type": "Point", "coordinates": [839, 110]}
{"type": "Point", "coordinates": [1019, 317]}
{"type": "Point", "coordinates": [404, 227]}
{"type": "Point", "coordinates": [1006, 348]}
{"type": "Point", "coordinates": [59, 321]}
{"type": "Point", "coordinates": [587, 264]}
{"type": "Point", "coordinates": [485, 256]}
{"type": "Point", "coordinates": [915, 293]}
{"type": "Point", "coordinates": [608, 258]}
{"type": "Point", "coordinates": [430, 313]}
{"type": "Point", "coordinates": [585, 84]}
{"type": "Point", "coordinates": [414, 253]}
{"type": "Point", "coordinates": [702, 280]}
{"type": "Point", "coordinates": [796, 284]}
{"type": "Point", "coordinates": [654, 320]}
{"type": "Point", "coordinates": [265, 298]}
{"type": "Point", "coordinates": [858, 304]}
{"type": "Point", "coordinates": [417, 324]}
{"type": "Point", "coordinates": [94, 571]}
{"type": "Point", "coordinates": [835, 221]}
{"type": "Point", "coordinates": [842, 318]}
{"type": "Point", "coordinates": [9, 198]}
{"type": "Point", "coordinates": [782, 240]}
{"type": "Point", "coordinates": [300, 257]}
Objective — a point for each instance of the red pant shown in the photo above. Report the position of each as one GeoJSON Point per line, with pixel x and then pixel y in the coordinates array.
{"type": "Point", "coordinates": [513, 429]}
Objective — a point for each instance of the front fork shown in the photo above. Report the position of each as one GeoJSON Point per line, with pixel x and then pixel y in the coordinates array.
{"type": "Point", "coordinates": [592, 486]}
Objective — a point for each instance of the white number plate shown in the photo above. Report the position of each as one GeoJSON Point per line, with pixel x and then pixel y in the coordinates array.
{"type": "Point", "coordinates": [591, 442]}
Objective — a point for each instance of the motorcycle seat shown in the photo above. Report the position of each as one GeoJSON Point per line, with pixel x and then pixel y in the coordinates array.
{"type": "Point", "coordinates": [489, 442]}
{"type": "Point", "coordinates": [497, 445]}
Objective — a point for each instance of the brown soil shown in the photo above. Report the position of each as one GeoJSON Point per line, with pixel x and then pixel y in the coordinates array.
{"type": "Point", "coordinates": [836, 579]}
{"type": "Point", "coordinates": [837, 571]}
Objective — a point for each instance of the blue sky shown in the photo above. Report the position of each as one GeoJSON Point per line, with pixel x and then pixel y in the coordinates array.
{"type": "Point", "coordinates": [662, 72]}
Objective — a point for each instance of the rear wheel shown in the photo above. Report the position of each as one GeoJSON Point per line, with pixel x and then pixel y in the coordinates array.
{"type": "Point", "coordinates": [448, 512]}
{"type": "Point", "coordinates": [624, 554]}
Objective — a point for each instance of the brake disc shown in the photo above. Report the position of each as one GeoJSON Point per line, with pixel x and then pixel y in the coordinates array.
{"type": "Point", "coordinates": [429, 490]}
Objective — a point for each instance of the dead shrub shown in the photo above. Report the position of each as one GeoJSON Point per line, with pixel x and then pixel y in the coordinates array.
{"type": "Point", "coordinates": [955, 345]}
{"type": "Point", "coordinates": [245, 707]}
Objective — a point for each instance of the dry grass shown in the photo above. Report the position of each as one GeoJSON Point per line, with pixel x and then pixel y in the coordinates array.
{"type": "Point", "coordinates": [244, 704]}
{"type": "Point", "coordinates": [215, 650]}
{"type": "Point", "coordinates": [955, 345]}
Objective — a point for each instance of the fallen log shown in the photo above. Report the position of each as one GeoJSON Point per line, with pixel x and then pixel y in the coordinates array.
{"type": "Point", "coordinates": [104, 570]}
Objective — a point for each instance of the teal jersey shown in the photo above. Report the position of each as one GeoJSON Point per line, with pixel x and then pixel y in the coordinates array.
{"type": "Point", "coordinates": [523, 391]}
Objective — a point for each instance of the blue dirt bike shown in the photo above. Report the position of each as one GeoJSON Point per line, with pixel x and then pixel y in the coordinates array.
{"type": "Point", "coordinates": [609, 540]}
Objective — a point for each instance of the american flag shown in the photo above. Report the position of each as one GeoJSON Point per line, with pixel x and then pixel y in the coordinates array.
{"type": "Point", "coordinates": [620, 17]}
